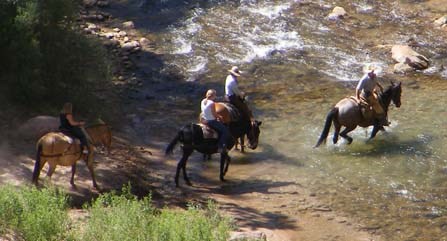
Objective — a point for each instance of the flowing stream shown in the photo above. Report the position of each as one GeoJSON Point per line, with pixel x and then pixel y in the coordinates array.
{"type": "Point", "coordinates": [297, 64]}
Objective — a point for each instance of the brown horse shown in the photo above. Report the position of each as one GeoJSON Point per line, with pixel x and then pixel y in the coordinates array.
{"type": "Point", "coordinates": [347, 113]}
{"type": "Point", "coordinates": [222, 110]}
{"type": "Point", "coordinates": [59, 149]}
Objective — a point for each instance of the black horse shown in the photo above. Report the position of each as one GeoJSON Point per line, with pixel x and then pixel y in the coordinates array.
{"type": "Point", "coordinates": [347, 113]}
{"type": "Point", "coordinates": [192, 138]}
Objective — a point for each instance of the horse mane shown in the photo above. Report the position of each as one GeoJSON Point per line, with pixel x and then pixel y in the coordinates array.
{"type": "Point", "coordinates": [384, 98]}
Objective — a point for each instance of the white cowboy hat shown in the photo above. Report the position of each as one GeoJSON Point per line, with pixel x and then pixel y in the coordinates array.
{"type": "Point", "coordinates": [235, 71]}
{"type": "Point", "coordinates": [368, 68]}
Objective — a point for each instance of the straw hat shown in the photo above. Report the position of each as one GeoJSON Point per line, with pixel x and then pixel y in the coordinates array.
{"type": "Point", "coordinates": [235, 71]}
{"type": "Point", "coordinates": [369, 68]}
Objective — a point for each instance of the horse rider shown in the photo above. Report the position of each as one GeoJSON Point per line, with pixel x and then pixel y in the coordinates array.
{"type": "Point", "coordinates": [71, 127]}
{"type": "Point", "coordinates": [235, 95]}
{"type": "Point", "coordinates": [213, 120]}
{"type": "Point", "coordinates": [366, 91]}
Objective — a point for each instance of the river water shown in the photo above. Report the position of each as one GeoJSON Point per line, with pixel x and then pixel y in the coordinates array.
{"type": "Point", "coordinates": [297, 64]}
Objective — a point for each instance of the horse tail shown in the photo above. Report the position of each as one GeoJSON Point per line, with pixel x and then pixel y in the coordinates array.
{"type": "Point", "coordinates": [327, 126]}
{"type": "Point", "coordinates": [173, 143]}
{"type": "Point", "coordinates": [36, 171]}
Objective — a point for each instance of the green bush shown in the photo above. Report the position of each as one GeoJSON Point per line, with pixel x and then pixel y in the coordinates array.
{"type": "Point", "coordinates": [123, 217]}
{"type": "Point", "coordinates": [35, 214]}
{"type": "Point", "coordinates": [40, 215]}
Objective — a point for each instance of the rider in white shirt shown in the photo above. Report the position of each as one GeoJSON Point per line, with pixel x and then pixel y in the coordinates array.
{"type": "Point", "coordinates": [235, 95]}
{"type": "Point", "coordinates": [213, 120]}
{"type": "Point", "coordinates": [366, 90]}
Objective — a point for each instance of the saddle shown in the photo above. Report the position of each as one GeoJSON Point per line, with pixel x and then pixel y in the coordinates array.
{"type": "Point", "coordinates": [68, 138]}
{"type": "Point", "coordinates": [208, 132]}
{"type": "Point", "coordinates": [365, 108]}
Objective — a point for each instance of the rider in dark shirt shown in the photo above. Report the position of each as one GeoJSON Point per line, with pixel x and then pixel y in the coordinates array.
{"type": "Point", "coordinates": [71, 127]}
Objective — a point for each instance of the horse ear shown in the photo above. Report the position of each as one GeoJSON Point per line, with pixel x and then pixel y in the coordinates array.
{"type": "Point", "coordinates": [259, 123]}
{"type": "Point", "coordinates": [391, 82]}
{"type": "Point", "coordinates": [400, 83]}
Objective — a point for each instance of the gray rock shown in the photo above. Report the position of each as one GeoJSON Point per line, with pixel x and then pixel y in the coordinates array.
{"type": "Point", "coordinates": [405, 55]}
{"type": "Point", "coordinates": [37, 126]}
{"type": "Point", "coordinates": [129, 25]}
{"type": "Point", "coordinates": [247, 236]}
{"type": "Point", "coordinates": [337, 13]}
{"type": "Point", "coordinates": [441, 22]}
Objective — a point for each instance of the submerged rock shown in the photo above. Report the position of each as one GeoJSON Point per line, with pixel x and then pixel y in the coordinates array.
{"type": "Point", "coordinates": [337, 13]}
{"type": "Point", "coordinates": [408, 59]}
{"type": "Point", "coordinates": [441, 22]}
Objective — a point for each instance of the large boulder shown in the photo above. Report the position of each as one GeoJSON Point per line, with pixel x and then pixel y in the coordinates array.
{"type": "Point", "coordinates": [337, 13]}
{"type": "Point", "coordinates": [441, 22]}
{"type": "Point", "coordinates": [36, 127]}
{"type": "Point", "coordinates": [408, 59]}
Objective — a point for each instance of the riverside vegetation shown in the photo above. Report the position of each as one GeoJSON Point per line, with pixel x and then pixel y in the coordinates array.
{"type": "Point", "coordinates": [27, 213]}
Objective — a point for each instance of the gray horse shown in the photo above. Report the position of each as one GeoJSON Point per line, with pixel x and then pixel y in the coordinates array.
{"type": "Point", "coordinates": [347, 112]}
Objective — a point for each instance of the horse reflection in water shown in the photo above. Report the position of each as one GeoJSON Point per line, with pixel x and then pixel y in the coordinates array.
{"type": "Point", "coordinates": [347, 113]}
{"type": "Point", "coordinates": [192, 138]}
{"type": "Point", "coordinates": [59, 149]}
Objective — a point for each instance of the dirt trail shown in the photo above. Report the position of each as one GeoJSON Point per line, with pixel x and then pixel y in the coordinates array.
{"type": "Point", "coordinates": [260, 196]}
{"type": "Point", "coordinates": [257, 195]}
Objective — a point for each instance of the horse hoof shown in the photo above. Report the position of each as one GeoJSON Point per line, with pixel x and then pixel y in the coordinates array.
{"type": "Point", "coordinates": [188, 183]}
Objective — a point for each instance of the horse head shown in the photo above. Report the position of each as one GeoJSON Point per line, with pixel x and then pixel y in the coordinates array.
{"type": "Point", "coordinates": [396, 93]}
{"type": "Point", "coordinates": [253, 134]}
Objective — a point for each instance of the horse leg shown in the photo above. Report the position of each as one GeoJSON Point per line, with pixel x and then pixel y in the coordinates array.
{"type": "Point", "coordinates": [51, 169]}
{"type": "Point", "coordinates": [337, 127]}
{"type": "Point", "coordinates": [40, 162]}
{"type": "Point", "coordinates": [89, 162]}
{"type": "Point", "coordinates": [227, 164]}
{"type": "Point", "coordinates": [376, 129]}
{"type": "Point", "coordinates": [182, 165]}
{"type": "Point", "coordinates": [223, 168]}
{"type": "Point", "coordinates": [73, 171]}
{"type": "Point", "coordinates": [241, 142]}
{"type": "Point", "coordinates": [345, 132]}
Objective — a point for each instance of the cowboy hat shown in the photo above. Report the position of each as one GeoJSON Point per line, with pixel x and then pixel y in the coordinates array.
{"type": "Point", "coordinates": [372, 68]}
{"type": "Point", "coordinates": [235, 71]}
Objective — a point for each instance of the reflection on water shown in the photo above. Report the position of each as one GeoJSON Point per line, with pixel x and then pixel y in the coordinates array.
{"type": "Point", "coordinates": [298, 64]}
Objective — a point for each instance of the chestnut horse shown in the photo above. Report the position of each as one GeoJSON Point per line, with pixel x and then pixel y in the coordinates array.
{"type": "Point", "coordinates": [191, 136]}
{"type": "Point", "coordinates": [59, 149]}
{"type": "Point", "coordinates": [347, 113]}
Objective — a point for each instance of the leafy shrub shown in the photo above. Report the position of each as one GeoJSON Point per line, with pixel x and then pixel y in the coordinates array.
{"type": "Point", "coordinates": [123, 217]}
{"type": "Point", "coordinates": [36, 214]}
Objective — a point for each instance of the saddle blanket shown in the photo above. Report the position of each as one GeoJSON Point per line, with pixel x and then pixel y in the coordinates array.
{"type": "Point", "coordinates": [68, 138]}
{"type": "Point", "coordinates": [208, 132]}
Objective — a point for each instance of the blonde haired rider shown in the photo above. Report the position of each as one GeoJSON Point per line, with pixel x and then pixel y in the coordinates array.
{"type": "Point", "coordinates": [213, 120]}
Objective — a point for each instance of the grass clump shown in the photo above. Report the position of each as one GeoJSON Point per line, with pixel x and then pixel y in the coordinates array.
{"type": "Point", "coordinates": [36, 214]}
{"type": "Point", "coordinates": [123, 217]}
